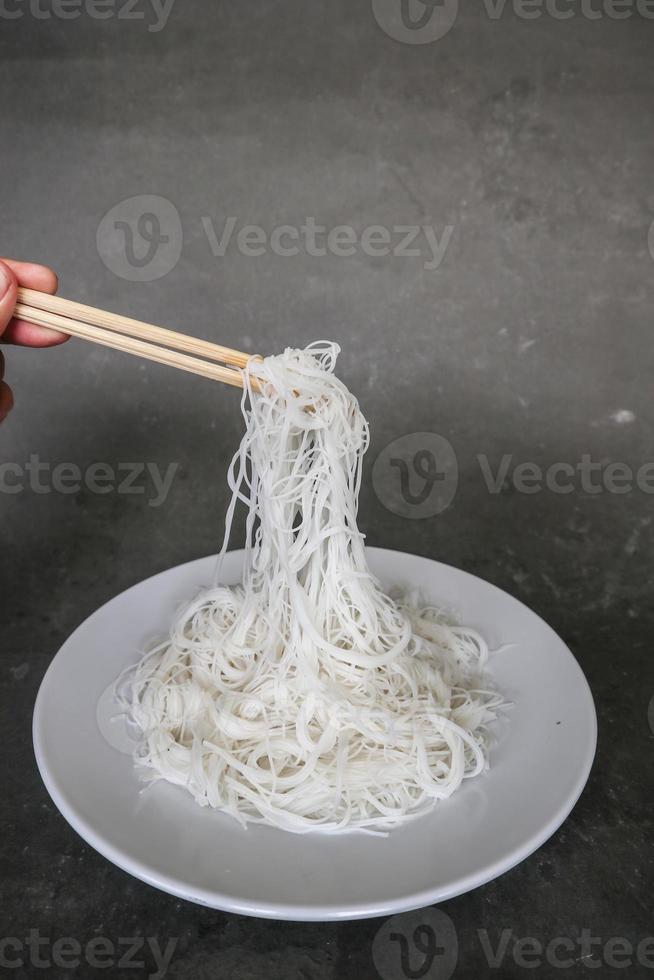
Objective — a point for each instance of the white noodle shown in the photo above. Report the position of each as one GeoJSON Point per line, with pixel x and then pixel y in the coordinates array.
{"type": "Point", "coordinates": [307, 698]}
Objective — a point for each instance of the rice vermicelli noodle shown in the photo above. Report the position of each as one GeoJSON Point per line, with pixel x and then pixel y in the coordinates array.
{"type": "Point", "coordinates": [306, 697]}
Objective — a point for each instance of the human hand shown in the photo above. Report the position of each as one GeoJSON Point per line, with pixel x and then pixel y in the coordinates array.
{"type": "Point", "coordinates": [14, 331]}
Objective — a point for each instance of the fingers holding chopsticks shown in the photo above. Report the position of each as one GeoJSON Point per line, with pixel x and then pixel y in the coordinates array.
{"type": "Point", "coordinates": [13, 330]}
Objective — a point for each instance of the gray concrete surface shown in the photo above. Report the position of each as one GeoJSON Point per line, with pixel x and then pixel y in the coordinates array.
{"type": "Point", "coordinates": [533, 140]}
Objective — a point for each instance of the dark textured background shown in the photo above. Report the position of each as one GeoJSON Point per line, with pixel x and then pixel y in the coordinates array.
{"type": "Point", "coordinates": [534, 139]}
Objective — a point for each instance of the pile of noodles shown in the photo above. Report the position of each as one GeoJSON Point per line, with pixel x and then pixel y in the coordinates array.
{"type": "Point", "coordinates": [307, 698]}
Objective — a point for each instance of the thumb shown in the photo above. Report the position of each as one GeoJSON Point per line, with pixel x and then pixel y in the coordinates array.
{"type": "Point", "coordinates": [8, 294]}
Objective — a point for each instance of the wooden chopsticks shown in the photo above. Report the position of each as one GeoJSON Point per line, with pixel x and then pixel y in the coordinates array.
{"type": "Point", "coordinates": [133, 337]}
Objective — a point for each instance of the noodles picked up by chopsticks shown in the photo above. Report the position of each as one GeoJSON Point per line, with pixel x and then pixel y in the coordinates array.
{"type": "Point", "coordinates": [306, 697]}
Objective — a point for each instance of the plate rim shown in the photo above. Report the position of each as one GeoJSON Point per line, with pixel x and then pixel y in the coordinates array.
{"type": "Point", "coordinates": [320, 912]}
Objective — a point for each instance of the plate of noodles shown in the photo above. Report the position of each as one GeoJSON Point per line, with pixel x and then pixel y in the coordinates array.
{"type": "Point", "coordinates": [308, 728]}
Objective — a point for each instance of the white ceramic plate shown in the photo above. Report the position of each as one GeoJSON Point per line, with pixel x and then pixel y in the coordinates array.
{"type": "Point", "coordinates": [538, 768]}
